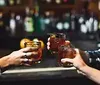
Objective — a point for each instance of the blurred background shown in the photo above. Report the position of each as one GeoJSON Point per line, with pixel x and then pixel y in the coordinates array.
{"type": "Point", "coordinates": [78, 19]}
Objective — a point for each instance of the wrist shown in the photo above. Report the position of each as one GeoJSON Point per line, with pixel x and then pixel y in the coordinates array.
{"type": "Point", "coordinates": [83, 68]}
{"type": "Point", "coordinates": [4, 64]}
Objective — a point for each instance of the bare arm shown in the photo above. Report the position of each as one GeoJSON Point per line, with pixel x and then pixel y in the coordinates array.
{"type": "Point", "coordinates": [82, 65]}
{"type": "Point", "coordinates": [4, 62]}
{"type": "Point", "coordinates": [91, 73]}
{"type": "Point", "coordinates": [20, 57]}
{"type": "Point", "coordinates": [83, 68]}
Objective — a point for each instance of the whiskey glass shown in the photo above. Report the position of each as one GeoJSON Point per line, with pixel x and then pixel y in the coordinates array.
{"type": "Point", "coordinates": [56, 39]}
{"type": "Point", "coordinates": [37, 57]}
{"type": "Point", "coordinates": [66, 51]}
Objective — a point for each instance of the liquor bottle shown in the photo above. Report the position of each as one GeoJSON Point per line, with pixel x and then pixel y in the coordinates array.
{"type": "Point", "coordinates": [28, 22]}
{"type": "Point", "coordinates": [12, 24]}
{"type": "Point", "coordinates": [18, 2]}
{"type": "Point", "coordinates": [11, 2]}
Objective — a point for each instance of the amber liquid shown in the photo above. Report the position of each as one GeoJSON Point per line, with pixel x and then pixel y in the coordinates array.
{"type": "Point", "coordinates": [38, 51]}
{"type": "Point", "coordinates": [65, 52]}
{"type": "Point", "coordinates": [55, 42]}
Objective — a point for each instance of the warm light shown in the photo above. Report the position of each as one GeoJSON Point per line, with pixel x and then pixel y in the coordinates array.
{"type": "Point", "coordinates": [1, 14]}
{"type": "Point", "coordinates": [47, 13]}
{"type": "Point", "coordinates": [48, 1]}
{"type": "Point", "coordinates": [18, 1]}
{"type": "Point", "coordinates": [11, 2]}
{"type": "Point", "coordinates": [99, 5]}
{"type": "Point", "coordinates": [58, 1]}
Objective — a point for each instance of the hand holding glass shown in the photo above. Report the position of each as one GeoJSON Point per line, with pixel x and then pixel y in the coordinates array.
{"type": "Point", "coordinates": [37, 50]}
{"type": "Point", "coordinates": [65, 51]}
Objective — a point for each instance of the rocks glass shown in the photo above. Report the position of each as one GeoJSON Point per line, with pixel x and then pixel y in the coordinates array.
{"type": "Point", "coordinates": [65, 51]}
{"type": "Point", "coordinates": [56, 39]}
{"type": "Point", "coordinates": [37, 51]}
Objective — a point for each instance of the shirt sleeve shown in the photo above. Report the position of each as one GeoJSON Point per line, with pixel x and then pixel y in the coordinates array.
{"type": "Point", "coordinates": [94, 58]}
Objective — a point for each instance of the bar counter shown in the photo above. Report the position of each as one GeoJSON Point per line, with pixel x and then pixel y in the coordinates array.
{"type": "Point", "coordinates": [47, 69]}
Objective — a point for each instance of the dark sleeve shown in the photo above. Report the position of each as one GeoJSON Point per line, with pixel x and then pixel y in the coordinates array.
{"type": "Point", "coordinates": [94, 58]}
{"type": "Point", "coordinates": [85, 56]}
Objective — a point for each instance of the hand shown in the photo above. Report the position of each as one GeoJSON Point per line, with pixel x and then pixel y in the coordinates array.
{"type": "Point", "coordinates": [21, 57]}
{"type": "Point", "coordinates": [48, 43]}
{"type": "Point", "coordinates": [77, 62]}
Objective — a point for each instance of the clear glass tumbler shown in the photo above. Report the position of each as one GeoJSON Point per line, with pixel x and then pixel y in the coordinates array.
{"type": "Point", "coordinates": [56, 39]}
{"type": "Point", "coordinates": [37, 57]}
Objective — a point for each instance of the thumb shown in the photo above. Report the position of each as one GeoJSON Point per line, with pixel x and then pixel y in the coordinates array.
{"type": "Point", "coordinates": [77, 52]}
{"type": "Point", "coordinates": [64, 60]}
{"type": "Point", "coordinates": [67, 42]}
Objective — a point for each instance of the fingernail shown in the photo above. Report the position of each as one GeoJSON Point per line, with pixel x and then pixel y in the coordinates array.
{"type": "Point", "coordinates": [62, 60]}
{"type": "Point", "coordinates": [48, 43]}
{"type": "Point", "coordinates": [29, 54]}
{"type": "Point", "coordinates": [48, 39]}
{"type": "Point", "coordinates": [48, 47]}
{"type": "Point", "coordinates": [30, 60]}
{"type": "Point", "coordinates": [26, 60]}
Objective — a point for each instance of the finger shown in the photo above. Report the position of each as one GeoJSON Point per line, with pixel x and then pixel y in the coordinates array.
{"type": "Point", "coordinates": [67, 42]}
{"type": "Point", "coordinates": [26, 55]}
{"type": "Point", "coordinates": [48, 38]}
{"type": "Point", "coordinates": [28, 63]}
{"type": "Point", "coordinates": [77, 52]}
{"type": "Point", "coordinates": [28, 49]}
{"type": "Point", "coordinates": [34, 53]}
{"type": "Point", "coordinates": [64, 60]}
{"type": "Point", "coordinates": [48, 45]}
{"type": "Point", "coordinates": [25, 61]}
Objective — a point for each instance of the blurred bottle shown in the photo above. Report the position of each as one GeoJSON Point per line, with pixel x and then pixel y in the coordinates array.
{"type": "Point", "coordinates": [11, 2]}
{"type": "Point", "coordinates": [28, 22]}
{"type": "Point", "coordinates": [18, 2]}
{"type": "Point", "coordinates": [12, 24]}
{"type": "Point", "coordinates": [2, 25]}
{"type": "Point", "coordinates": [19, 26]}
{"type": "Point", "coordinates": [36, 8]}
